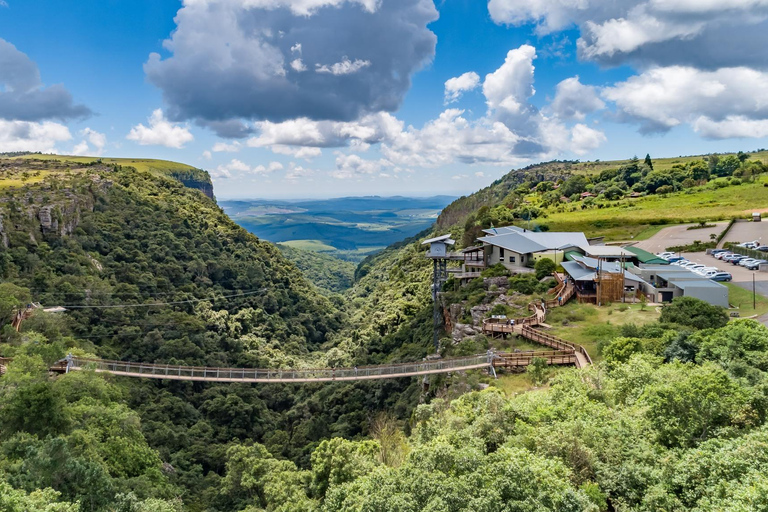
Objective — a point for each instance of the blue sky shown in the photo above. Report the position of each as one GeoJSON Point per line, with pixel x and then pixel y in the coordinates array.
{"type": "Point", "coordinates": [322, 98]}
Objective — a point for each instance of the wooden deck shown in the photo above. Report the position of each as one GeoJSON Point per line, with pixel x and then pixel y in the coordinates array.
{"type": "Point", "coordinates": [562, 353]}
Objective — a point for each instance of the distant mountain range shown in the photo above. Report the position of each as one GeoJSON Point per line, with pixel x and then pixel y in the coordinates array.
{"type": "Point", "coordinates": [349, 227]}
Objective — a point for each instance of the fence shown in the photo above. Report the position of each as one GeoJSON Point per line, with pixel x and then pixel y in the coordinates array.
{"type": "Point", "coordinates": [199, 373]}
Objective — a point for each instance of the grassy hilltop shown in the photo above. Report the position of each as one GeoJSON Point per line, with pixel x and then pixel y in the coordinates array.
{"type": "Point", "coordinates": [631, 199]}
{"type": "Point", "coordinates": [191, 177]}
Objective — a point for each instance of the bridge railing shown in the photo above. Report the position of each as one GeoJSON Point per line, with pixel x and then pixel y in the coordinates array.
{"type": "Point", "coordinates": [266, 375]}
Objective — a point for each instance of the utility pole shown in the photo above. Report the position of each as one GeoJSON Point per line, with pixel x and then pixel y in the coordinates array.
{"type": "Point", "coordinates": [754, 294]}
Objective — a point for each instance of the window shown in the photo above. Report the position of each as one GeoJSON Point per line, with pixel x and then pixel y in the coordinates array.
{"type": "Point", "coordinates": [501, 252]}
{"type": "Point", "coordinates": [511, 259]}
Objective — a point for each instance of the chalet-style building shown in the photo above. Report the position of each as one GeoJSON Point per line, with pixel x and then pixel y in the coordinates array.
{"type": "Point", "coordinates": [518, 249]}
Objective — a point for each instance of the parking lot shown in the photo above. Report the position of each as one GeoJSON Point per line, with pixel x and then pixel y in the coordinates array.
{"type": "Point", "coordinates": [739, 232]}
{"type": "Point", "coordinates": [681, 235]}
{"type": "Point", "coordinates": [741, 276]}
{"type": "Point", "coordinates": [747, 231]}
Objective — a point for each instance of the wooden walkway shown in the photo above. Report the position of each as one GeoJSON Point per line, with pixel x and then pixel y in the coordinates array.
{"type": "Point", "coordinates": [562, 353]}
{"type": "Point", "coordinates": [525, 326]}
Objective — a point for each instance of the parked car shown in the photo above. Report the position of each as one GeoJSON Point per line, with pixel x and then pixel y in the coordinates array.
{"type": "Point", "coordinates": [743, 262]}
{"type": "Point", "coordinates": [680, 262]}
{"type": "Point", "coordinates": [675, 259]}
{"type": "Point", "coordinates": [721, 276]}
{"type": "Point", "coordinates": [734, 260]}
{"type": "Point", "coordinates": [722, 255]}
{"type": "Point", "coordinates": [665, 255]}
{"type": "Point", "coordinates": [762, 248]}
{"type": "Point", "coordinates": [706, 270]}
{"type": "Point", "coordinates": [716, 251]}
{"type": "Point", "coordinates": [695, 268]}
{"type": "Point", "coordinates": [755, 265]}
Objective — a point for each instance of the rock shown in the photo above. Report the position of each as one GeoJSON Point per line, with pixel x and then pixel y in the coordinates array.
{"type": "Point", "coordinates": [500, 282]}
{"type": "Point", "coordinates": [461, 331]}
{"type": "Point", "coordinates": [3, 234]}
{"type": "Point", "coordinates": [479, 313]}
{"type": "Point", "coordinates": [46, 221]}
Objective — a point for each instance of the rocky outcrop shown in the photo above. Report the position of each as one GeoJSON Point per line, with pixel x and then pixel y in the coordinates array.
{"type": "Point", "coordinates": [461, 331]}
{"type": "Point", "coordinates": [502, 283]}
{"type": "Point", "coordinates": [3, 234]}
{"type": "Point", "coordinates": [197, 179]}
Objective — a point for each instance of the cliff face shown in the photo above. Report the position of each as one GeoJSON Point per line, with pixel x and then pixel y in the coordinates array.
{"type": "Point", "coordinates": [197, 179]}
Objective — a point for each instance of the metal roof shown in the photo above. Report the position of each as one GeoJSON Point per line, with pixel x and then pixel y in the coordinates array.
{"type": "Point", "coordinates": [646, 257]}
{"type": "Point", "coordinates": [503, 230]}
{"type": "Point", "coordinates": [524, 242]}
{"type": "Point", "coordinates": [607, 250]}
{"type": "Point", "coordinates": [695, 283]}
{"type": "Point", "coordinates": [445, 239]}
{"type": "Point", "coordinates": [515, 242]}
{"type": "Point", "coordinates": [577, 272]}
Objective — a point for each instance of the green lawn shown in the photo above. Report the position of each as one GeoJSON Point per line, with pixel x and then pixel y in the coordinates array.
{"type": "Point", "coordinates": [141, 164]}
{"type": "Point", "coordinates": [642, 217]}
{"type": "Point", "coordinates": [587, 325]}
{"type": "Point", "coordinates": [742, 299]}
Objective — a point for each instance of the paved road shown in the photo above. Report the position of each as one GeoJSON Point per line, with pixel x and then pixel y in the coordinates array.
{"type": "Point", "coordinates": [747, 231]}
{"type": "Point", "coordinates": [681, 235]}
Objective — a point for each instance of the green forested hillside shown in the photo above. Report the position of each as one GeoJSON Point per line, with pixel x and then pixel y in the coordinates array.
{"type": "Point", "coordinates": [329, 274]}
{"type": "Point", "coordinates": [150, 270]}
{"type": "Point", "coordinates": [673, 418]}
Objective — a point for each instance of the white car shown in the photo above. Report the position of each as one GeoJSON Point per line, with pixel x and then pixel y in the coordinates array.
{"type": "Point", "coordinates": [690, 265]}
{"type": "Point", "coordinates": [680, 263]}
{"type": "Point", "coordinates": [665, 255]}
{"type": "Point", "coordinates": [722, 255]}
{"type": "Point", "coordinates": [747, 261]}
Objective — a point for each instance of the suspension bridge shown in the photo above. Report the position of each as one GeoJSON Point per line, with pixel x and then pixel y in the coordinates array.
{"type": "Point", "coordinates": [562, 353]}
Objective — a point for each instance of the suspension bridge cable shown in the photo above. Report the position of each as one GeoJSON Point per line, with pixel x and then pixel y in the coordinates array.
{"type": "Point", "coordinates": [158, 304]}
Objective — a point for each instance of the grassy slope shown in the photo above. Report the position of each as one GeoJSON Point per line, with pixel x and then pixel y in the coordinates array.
{"type": "Point", "coordinates": [140, 164]}
{"type": "Point", "coordinates": [646, 215]}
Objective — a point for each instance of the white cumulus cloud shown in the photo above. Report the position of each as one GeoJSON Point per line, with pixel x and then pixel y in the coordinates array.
{"type": "Point", "coordinates": [574, 100]}
{"type": "Point", "coordinates": [160, 132]}
{"type": "Point", "coordinates": [32, 136]}
{"type": "Point", "coordinates": [345, 67]}
{"type": "Point", "coordinates": [456, 86]}
{"type": "Point", "coordinates": [663, 98]}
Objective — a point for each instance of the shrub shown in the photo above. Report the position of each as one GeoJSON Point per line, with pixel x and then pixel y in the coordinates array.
{"type": "Point", "coordinates": [497, 270]}
{"type": "Point", "coordinates": [526, 284]}
{"type": "Point", "coordinates": [694, 313]}
{"type": "Point", "coordinates": [544, 267]}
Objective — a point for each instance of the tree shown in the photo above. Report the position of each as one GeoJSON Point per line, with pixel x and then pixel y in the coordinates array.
{"type": "Point", "coordinates": [648, 161]}
{"type": "Point", "coordinates": [612, 193]}
{"type": "Point", "coordinates": [695, 313]}
{"type": "Point", "coordinates": [573, 186]}
{"type": "Point", "coordinates": [621, 349]}
{"type": "Point", "coordinates": [12, 297]}
{"type": "Point", "coordinates": [699, 170]}
{"type": "Point", "coordinates": [690, 404]}
{"type": "Point", "coordinates": [336, 461]}
{"type": "Point", "coordinates": [727, 165]}
{"type": "Point", "coordinates": [544, 267]}
{"type": "Point", "coordinates": [538, 370]}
